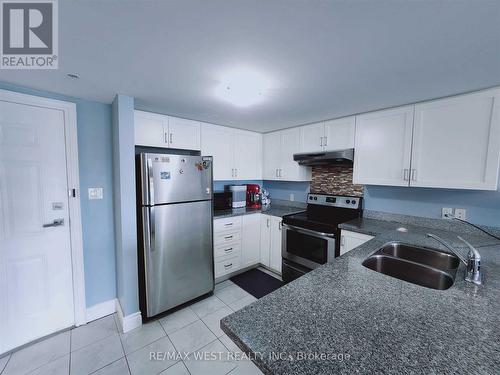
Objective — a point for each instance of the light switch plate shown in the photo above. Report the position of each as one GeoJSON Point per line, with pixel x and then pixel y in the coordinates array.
{"type": "Point", "coordinates": [96, 193]}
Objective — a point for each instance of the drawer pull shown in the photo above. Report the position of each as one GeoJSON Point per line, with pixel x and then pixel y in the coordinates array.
{"type": "Point", "coordinates": [228, 224]}
{"type": "Point", "coordinates": [228, 237]}
{"type": "Point", "coordinates": [228, 265]}
{"type": "Point", "coordinates": [229, 249]}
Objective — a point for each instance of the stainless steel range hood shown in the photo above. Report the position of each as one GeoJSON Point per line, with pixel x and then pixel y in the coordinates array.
{"type": "Point", "coordinates": [338, 157]}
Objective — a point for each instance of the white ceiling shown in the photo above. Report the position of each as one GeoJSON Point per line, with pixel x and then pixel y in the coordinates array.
{"type": "Point", "coordinates": [326, 59]}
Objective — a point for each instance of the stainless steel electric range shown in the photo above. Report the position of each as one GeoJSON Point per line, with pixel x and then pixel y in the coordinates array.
{"type": "Point", "coordinates": [312, 237]}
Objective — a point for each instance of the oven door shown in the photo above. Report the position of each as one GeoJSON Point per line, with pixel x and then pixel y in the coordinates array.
{"type": "Point", "coordinates": [307, 247]}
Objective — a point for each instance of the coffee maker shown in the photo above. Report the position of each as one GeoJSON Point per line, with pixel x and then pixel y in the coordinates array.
{"type": "Point", "coordinates": [253, 196]}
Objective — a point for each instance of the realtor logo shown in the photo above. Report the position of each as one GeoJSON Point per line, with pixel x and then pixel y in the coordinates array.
{"type": "Point", "coordinates": [29, 34]}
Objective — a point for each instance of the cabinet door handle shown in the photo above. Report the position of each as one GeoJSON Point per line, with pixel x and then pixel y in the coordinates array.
{"type": "Point", "coordinates": [414, 175]}
{"type": "Point", "coordinates": [326, 141]}
{"type": "Point", "coordinates": [228, 224]}
{"type": "Point", "coordinates": [406, 175]}
{"type": "Point", "coordinates": [279, 225]}
{"type": "Point", "coordinates": [277, 172]}
{"type": "Point", "coordinates": [166, 137]}
{"type": "Point", "coordinates": [267, 222]}
{"type": "Point", "coordinates": [228, 237]}
{"type": "Point", "coordinates": [321, 141]}
{"type": "Point", "coordinates": [228, 265]}
{"type": "Point", "coordinates": [235, 172]}
{"type": "Point", "coordinates": [171, 138]}
{"type": "Point", "coordinates": [228, 249]}
{"type": "Point", "coordinates": [232, 172]}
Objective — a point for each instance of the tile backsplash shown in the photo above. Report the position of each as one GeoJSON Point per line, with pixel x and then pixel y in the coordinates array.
{"type": "Point", "coordinates": [334, 179]}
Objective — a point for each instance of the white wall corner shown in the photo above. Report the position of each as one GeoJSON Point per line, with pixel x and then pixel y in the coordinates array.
{"type": "Point", "coordinates": [101, 310]}
{"type": "Point", "coordinates": [129, 322]}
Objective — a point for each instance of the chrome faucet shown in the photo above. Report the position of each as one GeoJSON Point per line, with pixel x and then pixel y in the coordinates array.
{"type": "Point", "coordinates": [473, 262]}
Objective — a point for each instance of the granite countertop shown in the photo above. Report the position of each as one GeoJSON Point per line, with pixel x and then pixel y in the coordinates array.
{"type": "Point", "coordinates": [273, 209]}
{"type": "Point", "coordinates": [367, 322]}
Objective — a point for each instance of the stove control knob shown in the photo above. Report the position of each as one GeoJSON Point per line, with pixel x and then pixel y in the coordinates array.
{"type": "Point", "coordinates": [353, 201]}
{"type": "Point", "coordinates": [348, 201]}
{"type": "Point", "coordinates": [315, 198]}
{"type": "Point", "coordinates": [310, 198]}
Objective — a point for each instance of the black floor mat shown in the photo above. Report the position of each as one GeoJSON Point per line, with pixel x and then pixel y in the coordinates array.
{"type": "Point", "coordinates": [257, 283]}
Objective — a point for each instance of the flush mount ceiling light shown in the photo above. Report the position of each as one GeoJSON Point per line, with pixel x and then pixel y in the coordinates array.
{"type": "Point", "coordinates": [242, 87]}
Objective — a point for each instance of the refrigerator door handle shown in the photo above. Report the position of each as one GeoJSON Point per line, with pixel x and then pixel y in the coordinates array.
{"type": "Point", "coordinates": [152, 229]}
{"type": "Point", "coordinates": [151, 188]}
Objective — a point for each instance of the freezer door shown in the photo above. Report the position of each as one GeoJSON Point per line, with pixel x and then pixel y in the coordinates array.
{"type": "Point", "coordinates": [178, 254]}
{"type": "Point", "coordinates": [170, 178]}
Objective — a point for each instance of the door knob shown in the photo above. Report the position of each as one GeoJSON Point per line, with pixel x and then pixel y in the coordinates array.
{"type": "Point", "coordinates": [55, 223]}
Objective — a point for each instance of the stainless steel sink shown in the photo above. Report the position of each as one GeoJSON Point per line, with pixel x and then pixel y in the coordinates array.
{"type": "Point", "coordinates": [421, 266]}
{"type": "Point", "coordinates": [433, 258]}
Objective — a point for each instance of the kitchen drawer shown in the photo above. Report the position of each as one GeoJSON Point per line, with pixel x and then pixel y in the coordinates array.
{"type": "Point", "coordinates": [230, 249]}
{"type": "Point", "coordinates": [229, 265]}
{"type": "Point", "coordinates": [221, 239]}
{"type": "Point", "coordinates": [227, 223]}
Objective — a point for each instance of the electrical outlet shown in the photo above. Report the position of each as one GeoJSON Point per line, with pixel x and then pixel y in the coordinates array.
{"type": "Point", "coordinates": [447, 213]}
{"type": "Point", "coordinates": [461, 213]}
{"type": "Point", "coordinates": [292, 197]}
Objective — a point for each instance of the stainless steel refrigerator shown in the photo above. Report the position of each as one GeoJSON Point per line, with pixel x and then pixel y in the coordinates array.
{"type": "Point", "coordinates": [175, 230]}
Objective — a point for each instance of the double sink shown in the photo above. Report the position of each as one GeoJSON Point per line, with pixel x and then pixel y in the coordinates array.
{"type": "Point", "coordinates": [418, 265]}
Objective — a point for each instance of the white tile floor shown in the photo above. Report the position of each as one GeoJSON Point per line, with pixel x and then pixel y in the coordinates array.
{"type": "Point", "coordinates": [98, 347]}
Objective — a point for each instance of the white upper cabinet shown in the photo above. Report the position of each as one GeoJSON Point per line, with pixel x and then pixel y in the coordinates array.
{"type": "Point", "coordinates": [151, 129]}
{"type": "Point", "coordinates": [447, 143]}
{"type": "Point", "coordinates": [328, 135]}
{"type": "Point", "coordinates": [311, 137]}
{"type": "Point", "coordinates": [218, 142]}
{"type": "Point", "coordinates": [339, 134]}
{"type": "Point", "coordinates": [383, 147]}
{"type": "Point", "coordinates": [247, 155]}
{"type": "Point", "coordinates": [272, 155]}
{"type": "Point", "coordinates": [156, 130]}
{"type": "Point", "coordinates": [183, 134]}
{"type": "Point", "coordinates": [456, 142]}
{"type": "Point", "coordinates": [290, 170]}
{"type": "Point", "coordinates": [279, 148]}
{"type": "Point", "coordinates": [237, 153]}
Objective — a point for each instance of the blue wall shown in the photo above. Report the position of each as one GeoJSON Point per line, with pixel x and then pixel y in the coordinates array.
{"type": "Point", "coordinates": [125, 204]}
{"type": "Point", "coordinates": [219, 185]}
{"type": "Point", "coordinates": [95, 163]}
{"type": "Point", "coordinates": [283, 189]}
{"type": "Point", "coordinates": [483, 207]}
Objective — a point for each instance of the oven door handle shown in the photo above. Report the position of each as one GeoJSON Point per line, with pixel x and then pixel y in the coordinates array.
{"type": "Point", "coordinates": [309, 231]}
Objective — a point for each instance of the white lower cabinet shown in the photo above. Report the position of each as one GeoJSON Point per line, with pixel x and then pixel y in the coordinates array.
{"type": "Point", "coordinates": [350, 240]}
{"type": "Point", "coordinates": [250, 240]}
{"type": "Point", "coordinates": [270, 242]}
{"type": "Point", "coordinates": [236, 243]}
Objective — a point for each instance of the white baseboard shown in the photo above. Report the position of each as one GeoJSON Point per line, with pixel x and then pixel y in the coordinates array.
{"type": "Point", "coordinates": [129, 322]}
{"type": "Point", "coordinates": [101, 310]}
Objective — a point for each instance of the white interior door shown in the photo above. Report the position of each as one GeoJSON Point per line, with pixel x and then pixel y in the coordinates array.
{"type": "Point", "coordinates": [456, 142]}
{"type": "Point", "coordinates": [383, 147]}
{"type": "Point", "coordinates": [36, 286]}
